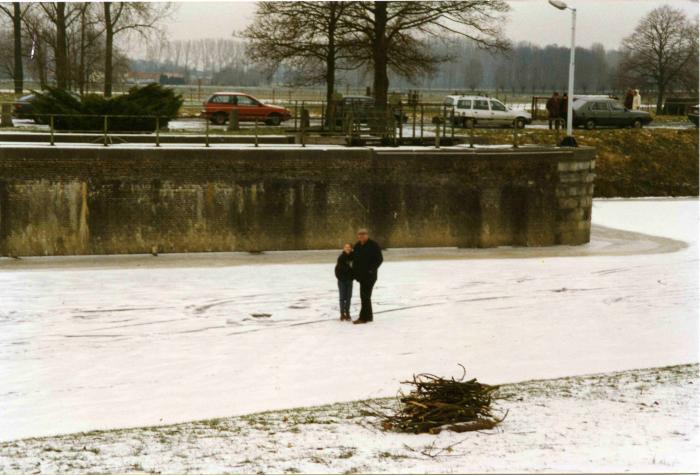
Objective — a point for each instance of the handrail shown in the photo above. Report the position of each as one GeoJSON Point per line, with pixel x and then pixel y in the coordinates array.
{"type": "Point", "coordinates": [416, 123]}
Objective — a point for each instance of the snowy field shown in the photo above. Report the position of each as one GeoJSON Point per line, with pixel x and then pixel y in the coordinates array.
{"type": "Point", "coordinates": [633, 421]}
{"type": "Point", "coordinates": [123, 343]}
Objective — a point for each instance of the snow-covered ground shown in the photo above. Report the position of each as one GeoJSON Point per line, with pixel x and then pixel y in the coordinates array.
{"type": "Point", "coordinates": [85, 347]}
{"type": "Point", "coordinates": [633, 421]}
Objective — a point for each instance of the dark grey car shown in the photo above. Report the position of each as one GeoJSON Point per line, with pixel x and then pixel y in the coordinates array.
{"type": "Point", "coordinates": [592, 113]}
{"type": "Point", "coordinates": [362, 108]}
{"type": "Point", "coordinates": [24, 108]}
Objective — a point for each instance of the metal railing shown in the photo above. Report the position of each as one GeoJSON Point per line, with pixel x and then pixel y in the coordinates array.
{"type": "Point", "coordinates": [100, 125]}
{"type": "Point", "coordinates": [417, 124]}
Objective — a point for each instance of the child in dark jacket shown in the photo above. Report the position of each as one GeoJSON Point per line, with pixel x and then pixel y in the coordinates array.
{"type": "Point", "coordinates": [345, 275]}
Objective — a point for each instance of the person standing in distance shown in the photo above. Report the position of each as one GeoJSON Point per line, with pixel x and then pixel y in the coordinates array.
{"type": "Point", "coordinates": [553, 110]}
{"type": "Point", "coordinates": [636, 100]}
{"type": "Point", "coordinates": [344, 274]}
{"type": "Point", "coordinates": [367, 257]}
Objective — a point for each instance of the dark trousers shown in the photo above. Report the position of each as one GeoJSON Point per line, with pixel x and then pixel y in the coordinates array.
{"type": "Point", "coordinates": [345, 291]}
{"type": "Point", "coordinates": [366, 286]}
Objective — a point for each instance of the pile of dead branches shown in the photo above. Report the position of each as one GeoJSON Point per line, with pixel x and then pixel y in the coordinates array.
{"type": "Point", "coordinates": [435, 404]}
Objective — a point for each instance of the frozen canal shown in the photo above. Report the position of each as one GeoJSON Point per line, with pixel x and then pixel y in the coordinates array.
{"type": "Point", "coordinates": [122, 343]}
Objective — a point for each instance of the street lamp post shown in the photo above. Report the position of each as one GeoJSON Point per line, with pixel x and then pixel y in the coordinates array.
{"type": "Point", "coordinates": [569, 140]}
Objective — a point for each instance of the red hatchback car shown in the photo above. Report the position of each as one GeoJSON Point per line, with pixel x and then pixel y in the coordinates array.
{"type": "Point", "coordinates": [219, 105]}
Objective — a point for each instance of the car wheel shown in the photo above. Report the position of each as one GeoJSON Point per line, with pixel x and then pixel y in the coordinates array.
{"type": "Point", "coordinates": [520, 123]}
{"type": "Point", "coordinates": [590, 124]}
{"type": "Point", "coordinates": [219, 118]}
{"type": "Point", "coordinates": [637, 124]}
{"type": "Point", "coordinates": [274, 119]}
{"type": "Point", "coordinates": [469, 123]}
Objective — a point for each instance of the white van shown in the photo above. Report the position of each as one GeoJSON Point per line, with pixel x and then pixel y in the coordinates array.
{"type": "Point", "coordinates": [482, 110]}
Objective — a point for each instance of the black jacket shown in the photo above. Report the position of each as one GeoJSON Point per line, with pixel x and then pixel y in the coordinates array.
{"type": "Point", "coordinates": [563, 107]}
{"type": "Point", "coordinates": [343, 269]}
{"type": "Point", "coordinates": [553, 107]}
{"type": "Point", "coordinates": [367, 260]}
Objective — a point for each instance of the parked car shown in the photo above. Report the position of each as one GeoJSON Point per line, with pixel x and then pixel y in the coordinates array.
{"type": "Point", "coordinates": [592, 113]}
{"type": "Point", "coordinates": [24, 108]}
{"type": "Point", "coordinates": [481, 110]}
{"type": "Point", "coordinates": [361, 108]}
{"type": "Point", "coordinates": [693, 114]}
{"type": "Point", "coordinates": [218, 107]}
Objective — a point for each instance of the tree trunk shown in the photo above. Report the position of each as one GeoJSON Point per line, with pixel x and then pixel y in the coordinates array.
{"type": "Point", "coordinates": [109, 40]}
{"type": "Point", "coordinates": [19, 71]}
{"type": "Point", "coordinates": [40, 60]}
{"type": "Point", "coordinates": [330, 79]}
{"type": "Point", "coordinates": [379, 56]}
{"type": "Point", "coordinates": [83, 47]}
{"type": "Point", "coordinates": [61, 53]}
{"type": "Point", "coordinates": [660, 99]}
{"type": "Point", "coordinates": [330, 67]}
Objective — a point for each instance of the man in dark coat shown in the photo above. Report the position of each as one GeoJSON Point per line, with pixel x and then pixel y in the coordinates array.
{"type": "Point", "coordinates": [563, 107]}
{"type": "Point", "coordinates": [367, 257]}
{"type": "Point", "coordinates": [629, 99]}
{"type": "Point", "coordinates": [553, 110]}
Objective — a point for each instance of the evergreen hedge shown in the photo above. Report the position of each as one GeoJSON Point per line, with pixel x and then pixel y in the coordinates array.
{"type": "Point", "coordinates": [141, 104]}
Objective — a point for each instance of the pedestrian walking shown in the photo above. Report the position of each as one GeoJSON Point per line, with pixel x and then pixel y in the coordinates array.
{"type": "Point", "coordinates": [553, 110]}
{"type": "Point", "coordinates": [629, 99]}
{"type": "Point", "coordinates": [367, 257]}
{"type": "Point", "coordinates": [345, 275]}
{"type": "Point", "coordinates": [636, 100]}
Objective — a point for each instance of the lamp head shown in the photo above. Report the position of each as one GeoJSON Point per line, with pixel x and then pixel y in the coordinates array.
{"type": "Point", "coordinates": [558, 4]}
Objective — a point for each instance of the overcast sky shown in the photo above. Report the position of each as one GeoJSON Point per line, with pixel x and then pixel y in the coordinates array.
{"type": "Point", "coordinates": [603, 21]}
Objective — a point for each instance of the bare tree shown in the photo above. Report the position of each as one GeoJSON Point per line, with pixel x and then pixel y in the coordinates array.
{"type": "Point", "coordinates": [37, 31]}
{"type": "Point", "coordinates": [309, 37]}
{"type": "Point", "coordinates": [120, 17]}
{"type": "Point", "coordinates": [660, 51]}
{"type": "Point", "coordinates": [474, 73]}
{"type": "Point", "coordinates": [391, 35]}
{"type": "Point", "coordinates": [62, 15]}
{"type": "Point", "coordinates": [15, 13]}
{"type": "Point", "coordinates": [87, 53]}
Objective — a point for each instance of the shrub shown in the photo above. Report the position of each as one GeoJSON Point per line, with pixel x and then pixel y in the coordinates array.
{"type": "Point", "coordinates": [140, 104]}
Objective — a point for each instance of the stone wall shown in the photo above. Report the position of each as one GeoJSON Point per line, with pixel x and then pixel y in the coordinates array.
{"type": "Point", "coordinates": [93, 200]}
